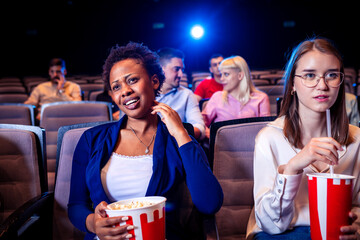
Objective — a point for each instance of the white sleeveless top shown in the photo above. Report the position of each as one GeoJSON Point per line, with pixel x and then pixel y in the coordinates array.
{"type": "Point", "coordinates": [126, 177]}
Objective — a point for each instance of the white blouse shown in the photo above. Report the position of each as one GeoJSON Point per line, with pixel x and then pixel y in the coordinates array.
{"type": "Point", "coordinates": [134, 171]}
{"type": "Point", "coordinates": [281, 201]}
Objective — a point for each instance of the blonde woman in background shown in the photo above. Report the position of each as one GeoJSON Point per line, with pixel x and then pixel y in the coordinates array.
{"type": "Point", "coordinates": [239, 99]}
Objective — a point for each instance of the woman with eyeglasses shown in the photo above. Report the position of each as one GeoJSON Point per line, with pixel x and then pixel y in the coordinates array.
{"type": "Point", "coordinates": [296, 144]}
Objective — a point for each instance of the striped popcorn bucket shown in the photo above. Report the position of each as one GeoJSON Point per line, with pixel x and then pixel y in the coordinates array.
{"type": "Point", "coordinates": [148, 221]}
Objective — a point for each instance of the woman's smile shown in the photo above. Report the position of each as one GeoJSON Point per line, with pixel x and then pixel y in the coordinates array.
{"type": "Point", "coordinates": [131, 103]}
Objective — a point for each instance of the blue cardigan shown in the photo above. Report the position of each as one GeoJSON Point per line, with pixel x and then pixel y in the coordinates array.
{"type": "Point", "coordinates": [171, 167]}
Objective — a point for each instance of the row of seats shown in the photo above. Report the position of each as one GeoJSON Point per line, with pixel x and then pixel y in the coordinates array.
{"type": "Point", "coordinates": [231, 162]}
{"type": "Point", "coordinates": [53, 116]}
{"type": "Point", "coordinates": [272, 75]}
{"type": "Point", "coordinates": [30, 209]}
{"type": "Point", "coordinates": [17, 97]}
{"type": "Point", "coordinates": [93, 85]}
{"type": "Point", "coordinates": [86, 88]}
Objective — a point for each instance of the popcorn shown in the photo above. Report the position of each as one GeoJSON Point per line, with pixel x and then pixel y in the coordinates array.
{"type": "Point", "coordinates": [131, 205]}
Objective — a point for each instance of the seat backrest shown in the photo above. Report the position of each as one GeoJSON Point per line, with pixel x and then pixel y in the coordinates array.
{"type": "Point", "coordinates": [68, 137]}
{"type": "Point", "coordinates": [273, 77]}
{"type": "Point", "coordinates": [22, 166]}
{"type": "Point", "coordinates": [12, 89]}
{"type": "Point", "coordinates": [4, 84]}
{"type": "Point", "coordinates": [94, 93]}
{"type": "Point", "coordinates": [233, 147]}
{"type": "Point", "coordinates": [17, 113]}
{"type": "Point", "coordinates": [55, 115]}
{"type": "Point", "coordinates": [88, 87]}
{"type": "Point", "coordinates": [273, 92]}
{"type": "Point", "coordinates": [10, 79]}
{"type": "Point", "coordinates": [13, 97]}
{"type": "Point", "coordinates": [261, 82]}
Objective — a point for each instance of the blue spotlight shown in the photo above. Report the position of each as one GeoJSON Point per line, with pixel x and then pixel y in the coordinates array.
{"type": "Point", "coordinates": [197, 32]}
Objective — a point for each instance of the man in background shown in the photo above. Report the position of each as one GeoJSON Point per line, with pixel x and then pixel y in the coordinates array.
{"type": "Point", "coordinates": [208, 87]}
{"type": "Point", "coordinates": [55, 90]}
{"type": "Point", "coordinates": [181, 99]}
{"type": "Point", "coordinates": [352, 109]}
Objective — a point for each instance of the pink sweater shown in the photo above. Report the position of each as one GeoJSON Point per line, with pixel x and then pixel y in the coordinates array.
{"type": "Point", "coordinates": [216, 110]}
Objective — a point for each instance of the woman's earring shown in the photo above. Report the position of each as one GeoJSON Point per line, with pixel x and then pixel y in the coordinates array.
{"type": "Point", "coordinates": [292, 92]}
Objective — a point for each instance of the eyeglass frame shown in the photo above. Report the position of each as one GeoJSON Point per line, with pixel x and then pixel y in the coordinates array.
{"type": "Point", "coordinates": [342, 75]}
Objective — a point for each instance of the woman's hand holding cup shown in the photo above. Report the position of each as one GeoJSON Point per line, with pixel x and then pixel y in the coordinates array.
{"type": "Point", "coordinates": [109, 227]}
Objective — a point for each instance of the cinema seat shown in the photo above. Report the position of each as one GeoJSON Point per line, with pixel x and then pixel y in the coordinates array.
{"type": "Point", "coordinates": [68, 137]}
{"type": "Point", "coordinates": [273, 92]}
{"type": "Point", "coordinates": [55, 115]}
{"type": "Point", "coordinates": [24, 199]}
{"type": "Point", "coordinates": [13, 97]}
{"type": "Point", "coordinates": [232, 146]}
{"type": "Point", "coordinates": [17, 113]}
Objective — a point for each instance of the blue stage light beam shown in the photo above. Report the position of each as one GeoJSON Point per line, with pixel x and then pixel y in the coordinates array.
{"type": "Point", "coordinates": [197, 32]}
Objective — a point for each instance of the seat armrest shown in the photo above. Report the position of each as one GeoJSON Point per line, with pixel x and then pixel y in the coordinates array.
{"type": "Point", "coordinates": [31, 220]}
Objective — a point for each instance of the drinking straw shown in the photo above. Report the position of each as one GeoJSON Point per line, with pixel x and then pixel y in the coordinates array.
{"type": "Point", "coordinates": [328, 127]}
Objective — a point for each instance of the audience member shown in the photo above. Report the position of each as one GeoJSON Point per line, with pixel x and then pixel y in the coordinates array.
{"type": "Point", "coordinates": [55, 90]}
{"type": "Point", "coordinates": [139, 155]}
{"type": "Point", "coordinates": [352, 109]}
{"type": "Point", "coordinates": [240, 98]}
{"type": "Point", "coordinates": [105, 96]}
{"type": "Point", "coordinates": [296, 144]}
{"type": "Point", "coordinates": [179, 98]}
{"type": "Point", "coordinates": [208, 87]}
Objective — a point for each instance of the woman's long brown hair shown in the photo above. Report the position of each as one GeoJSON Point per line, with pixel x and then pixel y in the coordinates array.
{"type": "Point", "coordinates": [290, 104]}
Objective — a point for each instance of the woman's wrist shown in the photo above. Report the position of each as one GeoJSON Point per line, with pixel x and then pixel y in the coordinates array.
{"type": "Point", "coordinates": [182, 137]}
{"type": "Point", "coordinates": [287, 169]}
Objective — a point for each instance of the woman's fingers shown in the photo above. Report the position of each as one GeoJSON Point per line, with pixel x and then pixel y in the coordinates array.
{"type": "Point", "coordinates": [167, 113]}
{"type": "Point", "coordinates": [326, 155]}
{"type": "Point", "coordinates": [318, 149]}
{"type": "Point", "coordinates": [110, 228]}
{"type": "Point", "coordinates": [324, 149]}
{"type": "Point", "coordinates": [353, 216]}
{"type": "Point", "coordinates": [162, 108]}
{"type": "Point", "coordinates": [348, 232]}
{"type": "Point", "coordinates": [173, 122]}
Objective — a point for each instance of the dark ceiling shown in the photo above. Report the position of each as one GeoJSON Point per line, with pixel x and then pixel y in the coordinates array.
{"type": "Point", "coordinates": [82, 32]}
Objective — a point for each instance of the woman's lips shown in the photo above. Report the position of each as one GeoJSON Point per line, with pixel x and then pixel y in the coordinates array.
{"type": "Point", "coordinates": [321, 98]}
{"type": "Point", "coordinates": [131, 103]}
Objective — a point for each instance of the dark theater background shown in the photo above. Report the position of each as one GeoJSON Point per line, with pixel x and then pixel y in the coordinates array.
{"type": "Point", "coordinates": [83, 31]}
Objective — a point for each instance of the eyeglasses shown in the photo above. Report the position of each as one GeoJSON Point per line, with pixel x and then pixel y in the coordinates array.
{"type": "Point", "coordinates": [332, 79]}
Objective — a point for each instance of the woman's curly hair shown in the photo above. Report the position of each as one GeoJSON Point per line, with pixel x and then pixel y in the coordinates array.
{"type": "Point", "coordinates": [137, 51]}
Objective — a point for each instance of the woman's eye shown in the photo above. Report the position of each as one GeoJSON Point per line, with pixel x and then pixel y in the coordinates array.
{"type": "Point", "coordinates": [132, 80]}
{"type": "Point", "coordinates": [115, 88]}
{"type": "Point", "coordinates": [332, 75]}
{"type": "Point", "coordinates": [309, 76]}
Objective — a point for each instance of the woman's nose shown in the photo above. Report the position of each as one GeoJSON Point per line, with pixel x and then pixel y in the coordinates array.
{"type": "Point", "coordinates": [322, 84]}
{"type": "Point", "coordinates": [126, 90]}
{"type": "Point", "coordinates": [222, 78]}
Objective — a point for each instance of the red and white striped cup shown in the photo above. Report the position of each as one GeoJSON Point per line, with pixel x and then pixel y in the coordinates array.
{"type": "Point", "coordinates": [148, 222]}
{"type": "Point", "coordinates": [330, 198]}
